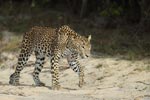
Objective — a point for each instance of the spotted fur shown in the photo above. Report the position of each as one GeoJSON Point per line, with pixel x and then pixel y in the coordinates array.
{"type": "Point", "coordinates": [54, 43]}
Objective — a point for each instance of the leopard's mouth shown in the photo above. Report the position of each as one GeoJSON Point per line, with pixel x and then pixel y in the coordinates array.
{"type": "Point", "coordinates": [84, 56]}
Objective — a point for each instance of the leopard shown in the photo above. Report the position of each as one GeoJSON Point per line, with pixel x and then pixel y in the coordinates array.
{"type": "Point", "coordinates": [54, 43]}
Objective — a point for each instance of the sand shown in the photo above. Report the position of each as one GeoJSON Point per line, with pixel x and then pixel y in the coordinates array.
{"type": "Point", "coordinates": [107, 78]}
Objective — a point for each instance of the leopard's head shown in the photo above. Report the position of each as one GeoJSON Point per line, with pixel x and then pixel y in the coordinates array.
{"type": "Point", "coordinates": [76, 43]}
{"type": "Point", "coordinates": [81, 45]}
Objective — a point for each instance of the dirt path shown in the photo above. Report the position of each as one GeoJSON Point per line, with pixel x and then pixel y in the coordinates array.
{"type": "Point", "coordinates": [106, 79]}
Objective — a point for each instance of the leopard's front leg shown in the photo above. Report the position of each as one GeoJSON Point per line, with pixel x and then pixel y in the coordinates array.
{"type": "Point", "coordinates": [55, 72]}
{"type": "Point", "coordinates": [81, 76]}
{"type": "Point", "coordinates": [76, 67]}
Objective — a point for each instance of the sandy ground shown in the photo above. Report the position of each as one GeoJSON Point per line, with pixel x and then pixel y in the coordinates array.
{"type": "Point", "coordinates": [107, 78]}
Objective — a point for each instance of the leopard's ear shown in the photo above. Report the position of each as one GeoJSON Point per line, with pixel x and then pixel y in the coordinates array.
{"type": "Point", "coordinates": [89, 38]}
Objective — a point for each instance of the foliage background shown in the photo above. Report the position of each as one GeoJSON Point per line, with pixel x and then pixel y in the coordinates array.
{"type": "Point", "coordinates": [118, 27]}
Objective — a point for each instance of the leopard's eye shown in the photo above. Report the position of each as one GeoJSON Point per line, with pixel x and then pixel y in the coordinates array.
{"type": "Point", "coordinates": [83, 47]}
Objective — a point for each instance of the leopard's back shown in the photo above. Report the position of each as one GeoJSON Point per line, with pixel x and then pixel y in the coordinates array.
{"type": "Point", "coordinates": [39, 39]}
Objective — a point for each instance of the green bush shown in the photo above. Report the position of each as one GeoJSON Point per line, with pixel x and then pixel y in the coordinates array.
{"type": "Point", "coordinates": [112, 11]}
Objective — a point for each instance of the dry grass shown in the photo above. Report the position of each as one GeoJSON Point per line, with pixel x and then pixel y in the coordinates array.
{"type": "Point", "coordinates": [12, 45]}
{"type": "Point", "coordinates": [99, 66]}
{"type": "Point", "coordinates": [147, 68]}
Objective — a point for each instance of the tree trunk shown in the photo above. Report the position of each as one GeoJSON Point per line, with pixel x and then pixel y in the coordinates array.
{"type": "Point", "coordinates": [83, 8]}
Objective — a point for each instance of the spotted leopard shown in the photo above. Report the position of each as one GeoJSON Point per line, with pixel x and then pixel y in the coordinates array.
{"type": "Point", "coordinates": [55, 44]}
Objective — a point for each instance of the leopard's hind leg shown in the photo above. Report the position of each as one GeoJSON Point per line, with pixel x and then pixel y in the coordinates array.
{"type": "Point", "coordinates": [22, 60]}
{"type": "Point", "coordinates": [25, 52]}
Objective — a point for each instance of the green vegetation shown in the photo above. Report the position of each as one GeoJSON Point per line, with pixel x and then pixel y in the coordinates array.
{"type": "Point", "coordinates": [112, 11]}
{"type": "Point", "coordinates": [147, 68]}
{"type": "Point", "coordinates": [117, 27]}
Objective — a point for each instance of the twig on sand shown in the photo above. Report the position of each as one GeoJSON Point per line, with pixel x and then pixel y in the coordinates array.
{"type": "Point", "coordinates": [105, 88]}
{"type": "Point", "coordinates": [140, 97]}
{"type": "Point", "coordinates": [143, 82]}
